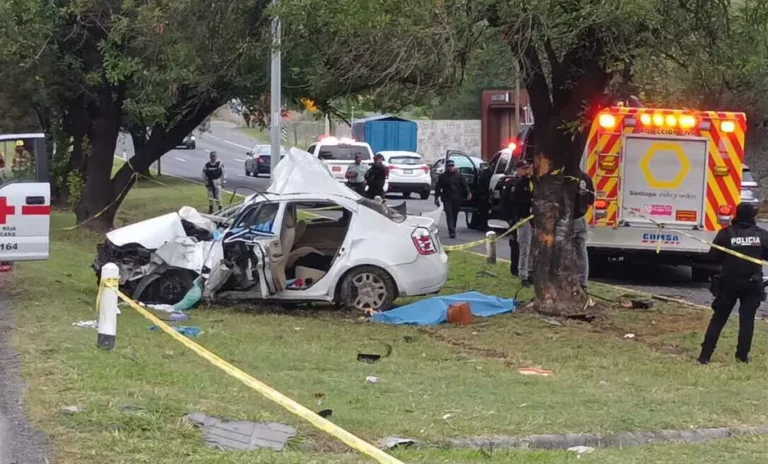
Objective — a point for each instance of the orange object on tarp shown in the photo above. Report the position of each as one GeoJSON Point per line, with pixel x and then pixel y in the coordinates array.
{"type": "Point", "coordinates": [460, 313]}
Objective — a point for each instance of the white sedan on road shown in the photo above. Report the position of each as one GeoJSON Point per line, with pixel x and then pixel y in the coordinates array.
{"type": "Point", "coordinates": [407, 173]}
{"type": "Point", "coordinates": [279, 246]}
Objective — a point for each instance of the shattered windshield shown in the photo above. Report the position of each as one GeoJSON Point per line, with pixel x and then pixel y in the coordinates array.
{"type": "Point", "coordinates": [260, 217]}
{"type": "Point", "coordinates": [383, 209]}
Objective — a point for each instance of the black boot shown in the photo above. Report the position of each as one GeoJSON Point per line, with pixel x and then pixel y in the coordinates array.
{"type": "Point", "coordinates": [742, 358]}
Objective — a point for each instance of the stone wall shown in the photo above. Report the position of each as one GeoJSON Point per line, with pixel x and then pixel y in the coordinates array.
{"type": "Point", "coordinates": [435, 137]}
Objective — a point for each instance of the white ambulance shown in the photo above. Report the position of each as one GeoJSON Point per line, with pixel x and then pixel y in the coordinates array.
{"type": "Point", "coordinates": [25, 199]}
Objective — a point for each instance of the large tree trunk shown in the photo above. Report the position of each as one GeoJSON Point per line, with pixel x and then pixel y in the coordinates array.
{"type": "Point", "coordinates": [556, 273]}
{"type": "Point", "coordinates": [98, 204]}
{"type": "Point", "coordinates": [103, 194]}
{"type": "Point", "coordinates": [563, 109]}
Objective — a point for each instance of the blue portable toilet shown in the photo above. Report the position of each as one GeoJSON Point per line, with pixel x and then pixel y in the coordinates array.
{"type": "Point", "coordinates": [386, 133]}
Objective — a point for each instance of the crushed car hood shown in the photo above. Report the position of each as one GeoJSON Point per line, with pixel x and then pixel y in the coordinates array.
{"type": "Point", "coordinates": [151, 234]}
{"type": "Point", "coordinates": [301, 172]}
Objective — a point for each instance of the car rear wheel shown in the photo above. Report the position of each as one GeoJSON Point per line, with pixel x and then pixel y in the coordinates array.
{"type": "Point", "coordinates": [367, 287]}
{"type": "Point", "coordinates": [424, 195]}
{"type": "Point", "coordinates": [406, 194]}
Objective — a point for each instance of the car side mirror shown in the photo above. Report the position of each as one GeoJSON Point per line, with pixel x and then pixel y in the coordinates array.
{"type": "Point", "coordinates": [248, 153]}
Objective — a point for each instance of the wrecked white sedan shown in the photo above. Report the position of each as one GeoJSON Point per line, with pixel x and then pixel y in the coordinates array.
{"type": "Point", "coordinates": [307, 238]}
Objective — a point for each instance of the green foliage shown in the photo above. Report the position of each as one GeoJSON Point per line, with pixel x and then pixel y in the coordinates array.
{"type": "Point", "coordinates": [75, 188]}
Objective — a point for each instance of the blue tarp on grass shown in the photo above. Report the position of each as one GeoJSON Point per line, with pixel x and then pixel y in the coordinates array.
{"type": "Point", "coordinates": [433, 311]}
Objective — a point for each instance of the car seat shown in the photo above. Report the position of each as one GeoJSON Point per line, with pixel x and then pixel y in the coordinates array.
{"type": "Point", "coordinates": [279, 250]}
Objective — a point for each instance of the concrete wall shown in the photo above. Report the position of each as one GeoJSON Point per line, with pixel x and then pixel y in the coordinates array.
{"type": "Point", "coordinates": [435, 137]}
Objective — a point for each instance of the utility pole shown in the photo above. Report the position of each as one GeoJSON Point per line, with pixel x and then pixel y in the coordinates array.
{"type": "Point", "coordinates": [275, 94]}
{"type": "Point", "coordinates": [517, 96]}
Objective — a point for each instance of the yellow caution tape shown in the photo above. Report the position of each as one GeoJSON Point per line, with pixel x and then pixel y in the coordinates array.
{"type": "Point", "coordinates": [468, 245]}
{"type": "Point", "coordinates": [265, 390]}
{"type": "Point", "coordinates": [106, 208]}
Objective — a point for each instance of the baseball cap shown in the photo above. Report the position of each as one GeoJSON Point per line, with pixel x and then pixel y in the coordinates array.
{"type": "Point", "coordinates": [19, 143]}
{"type": "Point", "coordinates": [450, 163]}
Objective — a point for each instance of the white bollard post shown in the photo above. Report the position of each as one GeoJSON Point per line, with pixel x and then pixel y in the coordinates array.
{"type": "Point", "coordinates": [490, 247]}
{"type": "Point", "coordinates": [110, 274]}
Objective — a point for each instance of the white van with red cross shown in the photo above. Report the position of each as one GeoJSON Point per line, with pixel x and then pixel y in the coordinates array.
{"type": "Point", "coordinates": [25, 199]}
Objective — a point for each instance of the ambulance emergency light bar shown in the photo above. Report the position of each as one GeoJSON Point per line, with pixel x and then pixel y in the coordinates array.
{"type": "Point", "coordinates": [686, 121]}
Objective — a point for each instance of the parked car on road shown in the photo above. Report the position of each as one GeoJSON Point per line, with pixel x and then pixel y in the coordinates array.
{"type": "Point", "coordinates": [750, 191]}
{"type": "Point", "coordinates": [189, 142]}
{"type": "Point", "coordinates": [269, 249]}
{"type": "Point", "coordinates": [408, 173]}
{"type": "Point", "coordinates": [259, 160]}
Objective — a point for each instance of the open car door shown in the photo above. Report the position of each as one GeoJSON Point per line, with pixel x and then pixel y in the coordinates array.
{"type": "Point", "coordinates": [249, 244]}
{"type": "Point", "coordinates": [466, 166]}
{"type": "Point", "coordinates": [25, 198]}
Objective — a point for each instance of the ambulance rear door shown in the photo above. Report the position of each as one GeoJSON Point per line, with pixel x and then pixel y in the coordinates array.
{"type": "Point", "coordinates": [25, 198]}
{"type": "Point", "coordinates": [664, 180]}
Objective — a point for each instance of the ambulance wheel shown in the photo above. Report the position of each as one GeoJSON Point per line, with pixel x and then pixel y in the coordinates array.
{"type": "Point", "coordinates": [424, 195]}
{"type": "Point", "coordinates": [700, 275]}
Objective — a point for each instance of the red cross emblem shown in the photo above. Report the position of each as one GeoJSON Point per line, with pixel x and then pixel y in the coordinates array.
{"type": "Point", "coordinates": [6, 210]}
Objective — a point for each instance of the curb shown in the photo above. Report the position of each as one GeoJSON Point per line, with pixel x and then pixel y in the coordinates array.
{"type": "Point", "coordinates": [563, 442]}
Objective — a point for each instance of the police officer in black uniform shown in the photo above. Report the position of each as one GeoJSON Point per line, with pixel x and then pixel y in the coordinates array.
{"type": "Point", "coordinates": [740, 280]}
{"type": "Point", "coordinates": [452, 189]}
{"type": "Point", "coordinates": [376, 176]}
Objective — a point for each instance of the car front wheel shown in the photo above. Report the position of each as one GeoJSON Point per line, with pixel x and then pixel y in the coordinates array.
{"type": "Point", "coordinates": [424, 195]}
{"type": "Point", "coordinates": [368, 287]}
{"type": "Point", "coordinates": [169, 287]}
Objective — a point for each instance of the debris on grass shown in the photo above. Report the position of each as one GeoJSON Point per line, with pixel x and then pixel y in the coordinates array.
{"type": "Point", "coordinates": [581, 449]}
{"type": "Point", "coordinates": [86, 324]}
{"type": "Point", "coordinates": [190, 331]}
{"type": "Point", "coordinates": [629, 336]}
{"type": "Point", "coordinates": [325, 413]}
{"type": "Point", "coordinates": [72, 410]}
{"type": "Point", "coordinates": [371, 379]}
{"type": "Point", "coordinates": [242, 435]}
{"type": "Point", "coordinates": [389, 443]}
{"type": "Point", "coordinates": [535, 371]}
{"type": "Point", "coordinates": [637, 304]}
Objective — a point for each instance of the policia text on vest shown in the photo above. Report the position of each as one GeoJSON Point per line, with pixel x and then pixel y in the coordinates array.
{"type": "Point", "coordinates": [740, 280]}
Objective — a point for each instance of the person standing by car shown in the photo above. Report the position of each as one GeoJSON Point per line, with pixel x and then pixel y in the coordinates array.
{"type": "Point", "coordinates": [376, 176]}
{"type": "Point", "coordinates": [356, 175]}
{"type": "Point", "coordinates": [521, 204]}
{"type": "Point", "coordinates": [585, 197]}
{"type": "Point", "coordinates": [213, 175]}
{"type": "Point", "coordinates": [452, 189]}
{"type": "Point", "coordinates": [739, 280]}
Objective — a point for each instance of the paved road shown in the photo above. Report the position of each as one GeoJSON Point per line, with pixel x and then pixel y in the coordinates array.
{"type": "Point", "coordinates": [19, 442]}
{"type": "Point", "coordinates": [231, 144]}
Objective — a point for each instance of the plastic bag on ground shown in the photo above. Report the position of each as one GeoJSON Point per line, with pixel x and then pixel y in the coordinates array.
{"type": "Point", "coordinates": [192, 297]}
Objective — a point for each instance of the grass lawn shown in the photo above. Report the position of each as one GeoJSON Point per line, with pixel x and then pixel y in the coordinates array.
{"type": "Point", "coordinates": [439, 382]}
{"type": "Point", "coordinates": [258, 134]}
